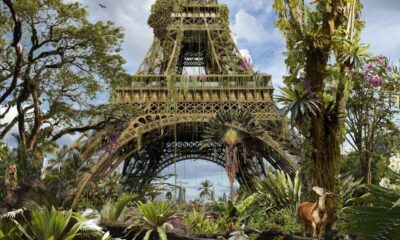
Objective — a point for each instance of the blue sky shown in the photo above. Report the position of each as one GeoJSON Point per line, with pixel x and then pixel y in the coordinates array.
{"type": "Point", "coordinates": [253, 28]}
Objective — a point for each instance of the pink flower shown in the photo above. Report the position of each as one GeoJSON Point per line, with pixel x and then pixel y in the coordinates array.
{"type": "Point", "coordinates": [381, 59]}
{"type": "Point", "coordinates": [245, 63]}
{"type": "Point", "coordinates": [389, 68]}
{"type": "Point", "coordinates": [376, 81]}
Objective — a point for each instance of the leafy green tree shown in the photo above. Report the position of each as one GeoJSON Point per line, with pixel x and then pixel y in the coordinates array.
{"type": "Point", "coordinates": [207, 189]}
{"type": "Point", "coordinates": [314, 34]}
{"type": "Point", "coordinates": [371, 112]}
{"type": "Point", "coordinates": [65, 64]}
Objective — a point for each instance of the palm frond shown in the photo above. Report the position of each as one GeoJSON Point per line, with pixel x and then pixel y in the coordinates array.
{"type": "Point", "coordinates": [376, 215]}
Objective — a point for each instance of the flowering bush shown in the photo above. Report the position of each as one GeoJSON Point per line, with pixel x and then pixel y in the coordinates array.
{"type": "Point", "coordinates": [376, 70]}
{"type": "Point", "coordinates": [394, 164]}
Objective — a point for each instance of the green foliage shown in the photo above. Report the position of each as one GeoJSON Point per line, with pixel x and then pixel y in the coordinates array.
{"type": "Point", "coordinates": [197, 223]}
{"type": "Point", "coordinates": [67, 62]}
{"type": "Point", "coordinates": [349, 188]}
{"type": "Point", "coordinates": [112, 210]}
{"type": "Point", "coordinates": [8, 230]}
{"type": "Point", "coordinates": [371, 129]}
{"type": "Point", "coordinates": [98, 193]}
{"type": "Point", "coordinates": [282, 221]}
{"type": "Point", "coordinates": [375, 215]}
{"type": "Point", "coordinates": [153, 217]}
{"type": "Point", "coordinates": [299, 103]}
{"type": "Point", "coordinates": [160, 17]}
{"type": "Point", "coordinates": [50, 224]}
{"type": "Point", "coordinates": [277, 191]}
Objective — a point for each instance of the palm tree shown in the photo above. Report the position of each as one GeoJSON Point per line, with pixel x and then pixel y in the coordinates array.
{"type": "Point", "coordinates": [207, 189]}
{"type": "Point", "coordinates": [232, 128]}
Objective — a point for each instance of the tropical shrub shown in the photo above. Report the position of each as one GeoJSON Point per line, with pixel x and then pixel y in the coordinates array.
{"type": "Point", "coordinates": [98, 193]}
{"type": "Point", "coordinates": [375, 215]}
{"type": "Point", "coordinates": [50, 224]}
{"type": "Point", "coordinates": [8, 230]}
{"type": "Point", "coordinates": [277, 191]}
{"type": "Point", "coordinates": [197, 223]}
{"type": "Point", "coordinates": [112, 210]}
{"type": "Point", "coordinates": [282, 221]}
{"type": "Point", "coordinates": [153, 217]}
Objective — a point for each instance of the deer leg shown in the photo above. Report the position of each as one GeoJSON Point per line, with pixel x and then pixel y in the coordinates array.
{"type": "Point", "coordinates": [322, 230]}
{"type": "Point", "coordinates": [314, 230]}
{"type": "Point", "coordinates": [303, 229]}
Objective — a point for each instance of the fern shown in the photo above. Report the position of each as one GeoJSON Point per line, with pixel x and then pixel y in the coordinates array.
{"type": "Point", "coordinates": [375, 215]}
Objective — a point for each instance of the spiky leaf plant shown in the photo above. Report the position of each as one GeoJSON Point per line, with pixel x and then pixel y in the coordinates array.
{"type": "Point", "coordinates": [112, 210]}
{"type": "Point", "coordinates": [154, 217]}
{"type": "Point", "coordinates": [299, 102]}
{"type": "Point", "coordinates": [375, 215]}
{"type": "Point", "coordinates": [232, 128]}
{"type": "Point", "coordinates": [277, 191]}
{"type": "Point", "coordinates": [50, 224]}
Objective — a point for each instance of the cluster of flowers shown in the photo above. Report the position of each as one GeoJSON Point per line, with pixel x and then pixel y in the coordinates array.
{"type": "Point", "coordinates": [376, 69]}
{"type": "Point", "coordinates": [394, 165]}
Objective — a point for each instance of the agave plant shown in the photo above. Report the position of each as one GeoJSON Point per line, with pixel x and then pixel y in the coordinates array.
{"type": "Point", "coordinates": [232, 128]}
{"type": "Point", "coordinates": [154, 217]}
{"type": "Point", "coordinates": [278, 191]}
{"type": "Point", "coordinates": [50, 224]}
{"type": "Point", "coordinates": [112, 210]}
{"type": "Point", "coordinates": [375, 215]}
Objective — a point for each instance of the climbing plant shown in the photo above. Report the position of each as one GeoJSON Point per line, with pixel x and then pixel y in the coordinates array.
{"type": "Point", "coordinates": [314, 34]}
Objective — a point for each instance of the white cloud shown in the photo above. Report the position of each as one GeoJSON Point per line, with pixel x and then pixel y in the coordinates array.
{"type": "Point", "coordinates": [132, 16]}
{"type": "Point", "coordinates": [248, 28]}
{"type": "Point", "coordinates": [382, 28]}
{"type": "Point", "coordinates": [246, 53]}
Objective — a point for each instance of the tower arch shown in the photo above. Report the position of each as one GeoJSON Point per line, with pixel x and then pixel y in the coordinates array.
{"type": "Point", "coordinates": [175, 108]}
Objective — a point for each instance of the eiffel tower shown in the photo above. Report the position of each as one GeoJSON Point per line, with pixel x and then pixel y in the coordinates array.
{"type": "Point", "coordinates": [192, 70]}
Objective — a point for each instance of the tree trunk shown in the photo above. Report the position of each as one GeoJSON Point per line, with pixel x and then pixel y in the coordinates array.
{"type": "Point", "coordinates": [366, 167]}
{"type": "Point", "coordinates": [325, 148]}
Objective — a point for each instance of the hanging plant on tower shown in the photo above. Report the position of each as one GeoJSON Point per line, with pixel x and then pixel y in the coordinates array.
{"type": "Point", "coordinates": [232, 128]}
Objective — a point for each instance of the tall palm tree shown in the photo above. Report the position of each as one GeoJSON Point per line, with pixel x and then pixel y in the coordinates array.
{"type": "Point", "coordinates": [207, 189]}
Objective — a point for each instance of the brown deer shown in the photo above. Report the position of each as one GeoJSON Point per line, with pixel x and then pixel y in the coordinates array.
{"type": "Point", "coordinates": [314, 214]}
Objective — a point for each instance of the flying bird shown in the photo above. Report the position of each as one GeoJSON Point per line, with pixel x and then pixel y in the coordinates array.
{"type": "Point", "coordinates": [102, 6]}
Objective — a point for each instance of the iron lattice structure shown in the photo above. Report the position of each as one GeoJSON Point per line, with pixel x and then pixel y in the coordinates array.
{"type": "Point", "coordinates": [176, 106]}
